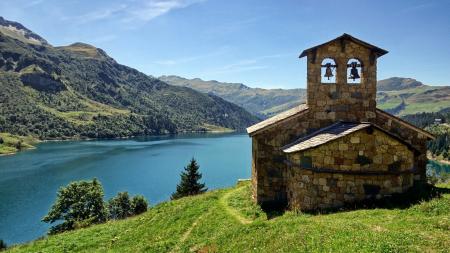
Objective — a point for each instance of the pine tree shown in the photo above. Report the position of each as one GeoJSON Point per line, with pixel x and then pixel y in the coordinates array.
{"type": "Point", "coordinates": [189, 183]}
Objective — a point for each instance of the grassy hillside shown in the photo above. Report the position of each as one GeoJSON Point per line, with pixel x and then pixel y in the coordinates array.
{"type": "Point", "coordinates": [227, 221]}
{"type": "Point", "coordinates": [397, 95]}
{"type": "Point", "coordinates": [414, 100]}
{"type": "Point", "coordinates": [79, 91]}
{"type": "Point", "coordinates": [10, 144]}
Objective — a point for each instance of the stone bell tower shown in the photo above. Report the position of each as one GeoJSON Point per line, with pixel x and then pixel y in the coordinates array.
{"type": "Point", "coordinates": [342, 79]}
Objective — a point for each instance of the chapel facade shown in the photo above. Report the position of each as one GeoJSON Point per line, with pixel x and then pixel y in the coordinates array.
{"type": "Point", "coordinates": [338, 147]}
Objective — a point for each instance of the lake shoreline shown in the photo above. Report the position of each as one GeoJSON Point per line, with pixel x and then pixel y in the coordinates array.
{"type": "Point", "coordinates": [78, 138]}
{"type": "Point", "coordinates": [435, 159]}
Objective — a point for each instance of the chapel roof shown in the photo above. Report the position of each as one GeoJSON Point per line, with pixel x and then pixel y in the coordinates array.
{"type": "Point", "coordinates": [333, 132]}
{"type": "Point", "coordinates": [277, 119]}
{"type": "Point", "coordinates": [324, 135]}
{"type": "Point", "coordinates": [378, 51]}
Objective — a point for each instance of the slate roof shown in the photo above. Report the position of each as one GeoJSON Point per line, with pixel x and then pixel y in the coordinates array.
{"type": "Point", "coordinates": [324, 135]}
{"type": "Point", "coordinates": [276, 119]}
{"type": "Point", "coordinates": [378, 51]}
{"type": "Point", "coordinates": [406, 124]}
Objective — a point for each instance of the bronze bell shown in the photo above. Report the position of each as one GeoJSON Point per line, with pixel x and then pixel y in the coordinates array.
{"type": "Point", "coordinates": [328, 71]}
{"type": "Point", "coordinates": [354, 71]}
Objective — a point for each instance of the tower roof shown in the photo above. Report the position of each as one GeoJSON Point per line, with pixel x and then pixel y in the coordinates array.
{"type": "Point", "coordinates": [378, 51]}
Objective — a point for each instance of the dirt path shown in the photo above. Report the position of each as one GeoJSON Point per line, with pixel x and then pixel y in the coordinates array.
{"type": "Point", "coordinates": [188, 232]}
{"type": "Point", "coordinates": [231, 211]}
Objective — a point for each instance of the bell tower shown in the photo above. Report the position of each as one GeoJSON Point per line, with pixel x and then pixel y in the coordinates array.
{"type": "Point", "coordinates": [342, 79]}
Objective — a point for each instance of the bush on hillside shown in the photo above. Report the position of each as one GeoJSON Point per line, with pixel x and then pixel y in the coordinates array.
{"type": "Point", "coordinates": [139, 204]}
{"type": "Point", "coordinates": [119, 207]}
{"type": "Point", "coordinates": [3, 245]}
{"type": "Point", "coordinates": [79, 204]}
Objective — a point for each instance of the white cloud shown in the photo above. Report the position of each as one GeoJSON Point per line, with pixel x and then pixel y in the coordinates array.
{"type": "Point", "coordinates": [135, 10]}
{"type": "Point", "coordinates": [33, 3]}
{"type": "Point", "coordinates": [246, 64]}
{"type": "Point", "coordinates": [183, 60]}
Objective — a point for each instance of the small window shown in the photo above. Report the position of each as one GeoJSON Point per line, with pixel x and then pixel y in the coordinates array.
{"type": "Point", "coordinates": [328, 71]}
{"type": "Point", "coordinates": [354, 68]}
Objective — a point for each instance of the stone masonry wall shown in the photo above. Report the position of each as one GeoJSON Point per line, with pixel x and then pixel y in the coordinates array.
{"type": "Point", "coordinates": [365, 165]}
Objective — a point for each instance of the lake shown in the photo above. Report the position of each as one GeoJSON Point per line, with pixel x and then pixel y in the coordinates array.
{"type": "Point", "coordinates": [149, 166]}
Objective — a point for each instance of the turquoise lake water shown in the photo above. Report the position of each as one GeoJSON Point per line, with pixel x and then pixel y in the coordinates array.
{"type": "Point", "coordinates": [149, 166]}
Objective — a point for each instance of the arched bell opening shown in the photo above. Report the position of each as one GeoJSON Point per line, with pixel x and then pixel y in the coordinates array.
{"type": "Point", "coordinates": [328, 71]}
{"type": "Point", "coordinates": [354, 71]}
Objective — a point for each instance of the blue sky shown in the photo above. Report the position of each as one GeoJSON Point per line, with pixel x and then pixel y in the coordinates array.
{"type": "Point", "coordinates": [255, 42]}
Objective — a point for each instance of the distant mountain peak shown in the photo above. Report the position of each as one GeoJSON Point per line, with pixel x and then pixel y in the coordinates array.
{"type": "Point", "coordinates": [397, 83]}
{"type": "Point", "coordinates": [20, 32]}
{"type": "Point", "coordinates": [86, 50]}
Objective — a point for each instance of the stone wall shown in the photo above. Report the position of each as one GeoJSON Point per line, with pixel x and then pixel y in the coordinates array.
{"type": "Point", "coordinates": [361, 165]}
{"type": "Point", "coordinates": [365, 150]}
{"type": "Point", "coordinates": [310, 190]}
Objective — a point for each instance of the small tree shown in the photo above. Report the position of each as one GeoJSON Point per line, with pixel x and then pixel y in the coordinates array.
{"type": "Point", "coordinates": [1, 140]}
{"type": "Point", "coordinates": [189, 182]}
{"type": "Point", "coordinates": [19, 145]}
{"type": "Point", "coordinates": [139, 204]}
{"type": "Point", "coordinates": [120, 206]}
{"type": "Point", "coordinates": [78, 204]}
{"type": "Point", "coordinates": [3, 245]}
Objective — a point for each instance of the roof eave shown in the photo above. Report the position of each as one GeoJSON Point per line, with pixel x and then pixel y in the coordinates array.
{"type": "Point", "coordinates": [378, 51]}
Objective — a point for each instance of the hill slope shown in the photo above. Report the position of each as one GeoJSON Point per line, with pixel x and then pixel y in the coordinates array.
{"type": "Point", "coordinates": [397, 95]}
{"type": "Point", "coordinates": [227, 221]}
{"type": "Point", "coordinates": [78, 90]}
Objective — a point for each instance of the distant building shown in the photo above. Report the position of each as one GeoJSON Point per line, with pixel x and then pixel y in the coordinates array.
{"type": "Point", "coordinates": [338, 147]}
{"type": "Point", "coordinates": [437, 121]}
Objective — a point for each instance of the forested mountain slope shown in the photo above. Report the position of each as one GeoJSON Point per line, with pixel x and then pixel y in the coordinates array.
{"type": "Point", "coordinates": [78, 90]}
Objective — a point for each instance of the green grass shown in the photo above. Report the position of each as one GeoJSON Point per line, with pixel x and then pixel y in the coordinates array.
{"type": "Point", "coordinates": [9, 145]}
{"type": "Point", "coordinates": [216, 129]}
{"type": "Point", "coordinates": [228, 221]}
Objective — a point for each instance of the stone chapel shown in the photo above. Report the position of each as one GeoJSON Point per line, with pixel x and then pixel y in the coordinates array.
{"type": "Point", "coordinates": [338, 147]}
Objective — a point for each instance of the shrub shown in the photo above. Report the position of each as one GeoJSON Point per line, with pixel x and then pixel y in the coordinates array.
{"type": "Point", "coordinates": [120, 206]}
{"type": "Point", "coordinates": [139, 204]}
{"type": "Point", "coordinates": [3, 245]}
{"type": "Point", "coordinates": [79, 204]}
{"type": "Point", "coordinates": [19, 145]}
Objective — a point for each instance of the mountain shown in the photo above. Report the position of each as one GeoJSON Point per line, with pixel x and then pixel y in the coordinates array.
{"type": "Point", "coordinates": [397, 83]}
{"type": "Point", "coordinates": [406, 96]}
{"type": "Point", "coordinates": [20, 32]}
{"type": "Point", "coordinates": [397, 95]}
{"type": "Point", "coordinates": [79, 91]}
{"type": "Point", "coordinates": [261, 102]}
{"type": "Point", "coordinates": [227, 220]}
